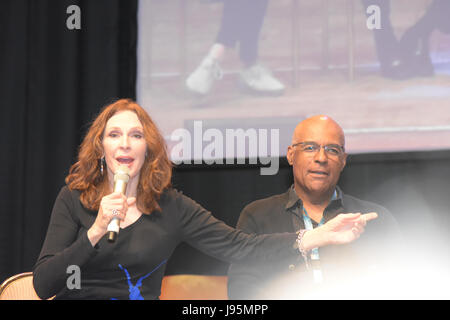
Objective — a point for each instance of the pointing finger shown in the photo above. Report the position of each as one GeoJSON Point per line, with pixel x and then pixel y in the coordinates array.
{"type": "Point", "coordinates": [370, 216]}
{"type": "Point", "coordinates": [350, 216]}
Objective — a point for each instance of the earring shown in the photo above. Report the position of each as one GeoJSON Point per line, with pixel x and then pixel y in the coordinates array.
{"type": "Point", "coordinates": [102, 160]}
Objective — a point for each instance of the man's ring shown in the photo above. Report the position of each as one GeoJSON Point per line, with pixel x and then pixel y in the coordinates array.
{"type": "Point", "coordinates": [115, 212]}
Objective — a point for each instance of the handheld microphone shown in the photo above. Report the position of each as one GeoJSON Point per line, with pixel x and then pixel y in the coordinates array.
{"type": "Point", "coordinates": [121, 178]}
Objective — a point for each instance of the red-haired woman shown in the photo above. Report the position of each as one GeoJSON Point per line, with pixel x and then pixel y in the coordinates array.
{"type": "Point", "coordinates": [154, 218]}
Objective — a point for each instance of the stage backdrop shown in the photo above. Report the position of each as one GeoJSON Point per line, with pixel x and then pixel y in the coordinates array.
{"type": "Point", "coordinates": [324, 52]}
{"type": "Point", "coordinates": [53, 80]}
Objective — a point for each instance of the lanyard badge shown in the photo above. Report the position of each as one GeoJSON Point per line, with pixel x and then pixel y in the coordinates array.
{"type": "Point", "coordinates": [315, 257]}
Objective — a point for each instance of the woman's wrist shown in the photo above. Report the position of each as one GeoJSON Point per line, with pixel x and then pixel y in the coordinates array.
{"type": "Point", "coordinates": [94, 235]}
{"type": "Point", "coordinates": [314, 238]}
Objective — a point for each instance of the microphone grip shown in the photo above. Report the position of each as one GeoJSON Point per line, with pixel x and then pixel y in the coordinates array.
{"type": "Point", "coordinates": [121, 178]}
{"type": "Point", "coordinates": [113, 229]}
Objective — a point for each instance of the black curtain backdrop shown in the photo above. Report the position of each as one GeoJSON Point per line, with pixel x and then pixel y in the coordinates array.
{"type": "Point", "coordinates": [54, 80]}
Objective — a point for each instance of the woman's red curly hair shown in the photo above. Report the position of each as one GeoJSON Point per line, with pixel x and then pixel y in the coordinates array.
{"type": "Point", "coordinates": [156, 172]}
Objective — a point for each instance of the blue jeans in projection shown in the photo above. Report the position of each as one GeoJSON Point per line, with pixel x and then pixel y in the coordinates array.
{"type": "Point", "coordinates": [241, 25]}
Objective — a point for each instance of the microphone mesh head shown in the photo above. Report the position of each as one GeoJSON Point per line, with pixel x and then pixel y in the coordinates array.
{"type": "Point", "coordinates": [122, 173]}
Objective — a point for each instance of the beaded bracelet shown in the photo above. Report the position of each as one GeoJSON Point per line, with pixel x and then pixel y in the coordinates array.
{"type": "Point", "coordinates": [303, 252]}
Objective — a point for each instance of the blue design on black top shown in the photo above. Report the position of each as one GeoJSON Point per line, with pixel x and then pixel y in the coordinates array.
{"type": "Point", "coordinates": [135, 293]}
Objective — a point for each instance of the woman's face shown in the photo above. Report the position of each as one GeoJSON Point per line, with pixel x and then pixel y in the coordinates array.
{"type": "Point", "coordinates": [124, 143]}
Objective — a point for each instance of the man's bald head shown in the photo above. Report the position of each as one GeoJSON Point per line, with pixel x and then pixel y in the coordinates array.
{"type": "Point", "coordinates": [316, 171]}
{"type": "Point", "coordinates": [315, 124]}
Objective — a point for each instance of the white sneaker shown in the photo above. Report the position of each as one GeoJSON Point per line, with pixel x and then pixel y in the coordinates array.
{"type": "Point", "coordinates": [202, 79]}
{"type": "Point", "coordinates": [258, 79]}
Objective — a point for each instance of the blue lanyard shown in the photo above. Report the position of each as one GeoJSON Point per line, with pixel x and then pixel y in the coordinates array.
{"type": "Point", "coordinates": [315, 252]}
{"type": "Point", "coordinates": [309, 226]}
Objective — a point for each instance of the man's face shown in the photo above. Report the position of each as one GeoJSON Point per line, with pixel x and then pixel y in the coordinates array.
{"type": "Point", "coordinates": [317, 169]}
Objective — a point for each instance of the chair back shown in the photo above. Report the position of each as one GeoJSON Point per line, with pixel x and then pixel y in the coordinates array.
{"type": "Point", "coordinates": [194, 287]}
{"type": "Point", "coordinates": [18, 287]}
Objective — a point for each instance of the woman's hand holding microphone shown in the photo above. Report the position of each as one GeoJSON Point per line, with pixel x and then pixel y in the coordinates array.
{"type": "Point", "coordinates": [113, 205]}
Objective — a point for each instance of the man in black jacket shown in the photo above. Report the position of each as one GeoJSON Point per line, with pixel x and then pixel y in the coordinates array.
{"type": "Point", "coordinates": [317, 156]}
